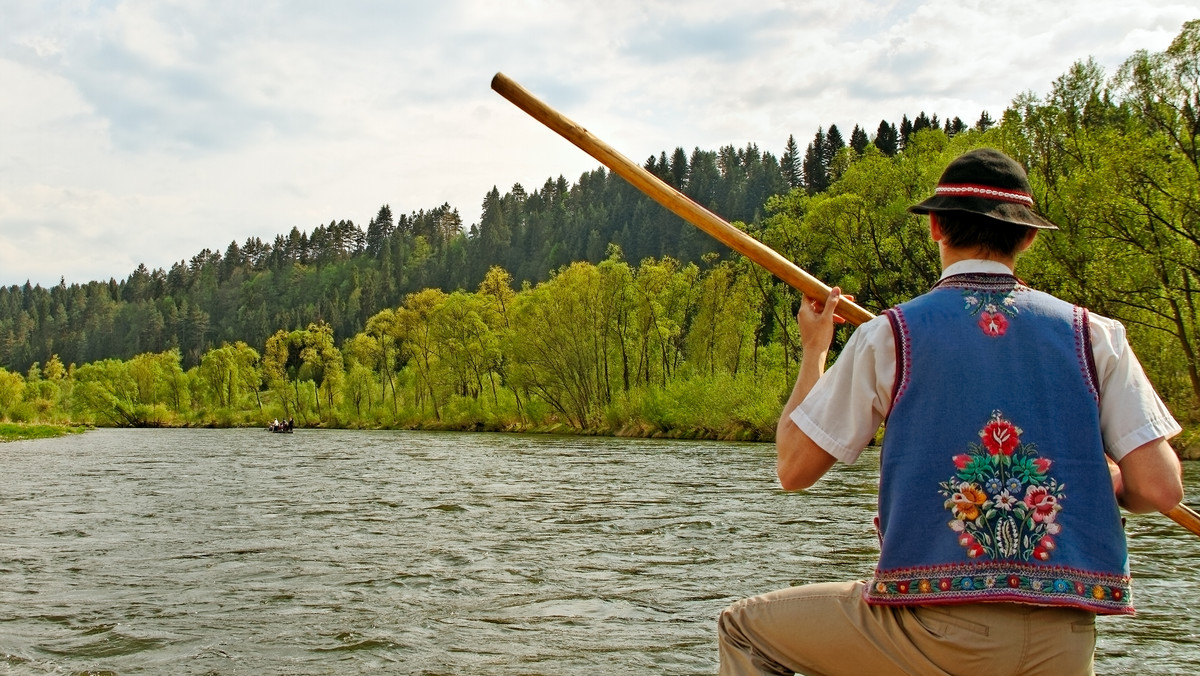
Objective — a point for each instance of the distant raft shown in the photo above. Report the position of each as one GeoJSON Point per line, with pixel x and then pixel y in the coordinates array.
{"type": "Point", "coordinates": [281, 426]}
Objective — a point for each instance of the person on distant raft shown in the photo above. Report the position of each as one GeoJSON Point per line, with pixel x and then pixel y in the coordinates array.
{"type": "Point", "coordinates": [1016, 425]}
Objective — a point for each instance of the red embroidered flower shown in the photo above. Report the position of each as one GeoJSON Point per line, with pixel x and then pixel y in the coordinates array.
{"type": "Point", "coordinates": [1044, 505]}
{"type": "Point", "coordinates": [961, 461]}
{"type": "Point", "coordinates": [1000, 436]}
{"type": "Point", "coordinates": [994, 324]}
{"type": "Point", "coordinates": [975, 550]}
{"type": "Point", "coordinates": [1014, 581]}
{"type": "Point", "coordinates": [945, 584]}
{"type": "Point", "coordinates": [1043, 549]}
{"type": "Point", "coordinates": [1042, 464]}
{"type": "Point", "coordinates": [1042, 552]}
{"type": "Point", "coordinates": [902, 587]}
{"type": "Point", "coordinates": [1116, 593]}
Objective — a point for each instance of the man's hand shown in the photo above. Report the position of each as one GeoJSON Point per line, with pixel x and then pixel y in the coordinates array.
{"type": "Point", "coordinates": [817, 320]}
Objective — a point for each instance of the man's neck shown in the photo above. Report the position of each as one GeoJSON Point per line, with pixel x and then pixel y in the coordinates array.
{"type": "Point", "coordinates": [952, 255]}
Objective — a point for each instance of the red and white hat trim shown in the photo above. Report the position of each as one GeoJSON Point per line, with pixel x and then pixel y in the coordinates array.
{"type": "Point", "coordinates": [987, 192]}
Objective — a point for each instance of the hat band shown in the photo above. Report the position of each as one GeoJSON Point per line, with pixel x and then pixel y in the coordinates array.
{"type": "Point", "coordinates": [968, 190]}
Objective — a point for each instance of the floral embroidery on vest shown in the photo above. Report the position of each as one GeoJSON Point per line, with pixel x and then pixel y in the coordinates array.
{"type": "Point", "coordinates": [993, 309]}
{"type": "Point", "coordinates": [1002, 498]}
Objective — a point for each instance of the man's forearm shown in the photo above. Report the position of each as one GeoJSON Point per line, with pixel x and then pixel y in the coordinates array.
{"type": "Point", "coordinates": [812, 367]}
{"type": "Point", "coordinates": [800, 461]}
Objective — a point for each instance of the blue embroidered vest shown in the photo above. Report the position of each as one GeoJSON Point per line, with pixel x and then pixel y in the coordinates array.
{"type": "Point", "coordinates": [993, 482]}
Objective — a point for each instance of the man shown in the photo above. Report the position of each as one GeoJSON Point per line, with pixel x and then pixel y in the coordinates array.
{"type": "Point", "coordinates": [1016, 424]}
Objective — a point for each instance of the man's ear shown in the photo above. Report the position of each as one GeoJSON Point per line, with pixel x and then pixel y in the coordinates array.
{"type": "Point", "coordinates": [935, 228]}
{"type": "Point", "coordinates": [1028, 241]}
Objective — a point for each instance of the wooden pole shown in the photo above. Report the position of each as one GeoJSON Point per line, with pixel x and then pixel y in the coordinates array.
{"type": "Point", "coordinates": [681, 205]}
{"type": "Point", "coordinates": [678, 203]}
{"type": "Point", "coordinates": [1185, 516]}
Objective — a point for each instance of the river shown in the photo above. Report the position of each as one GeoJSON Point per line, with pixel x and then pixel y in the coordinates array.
{"type": "Point", "coordinates": [222, 552]}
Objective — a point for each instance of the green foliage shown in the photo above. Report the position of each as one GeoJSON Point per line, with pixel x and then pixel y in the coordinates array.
{"type": "Point", "coordinates": [1116, 164]}
{"type": "Point", "coordinates": [560, 345]}
{"type": "Point", "coordinates": [12, 386]}
{"type": "Point", "coordinates": [230, 374]}
{"type": "Point", "coordinates": [128, 394]}
{"type": "Point", "coordinates": [719, 406]}
{"type": "Point", "coordinates": [18, 432]}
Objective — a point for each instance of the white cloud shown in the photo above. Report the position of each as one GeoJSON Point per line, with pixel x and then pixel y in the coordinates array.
{"type": "Point", "coordinates": [145, 131]}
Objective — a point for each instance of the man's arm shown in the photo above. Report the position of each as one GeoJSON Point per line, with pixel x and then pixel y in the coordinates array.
{"type": "Point", "coordinates": [1148, 478]}
{"type": "Point", "coordinates": [800, 460]}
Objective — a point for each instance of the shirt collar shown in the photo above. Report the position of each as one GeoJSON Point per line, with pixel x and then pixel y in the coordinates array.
{"type": "Point", "coordinates": [976, 265]}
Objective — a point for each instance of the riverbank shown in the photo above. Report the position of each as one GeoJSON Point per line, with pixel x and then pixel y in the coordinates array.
{"type": "Point", "coordinates": [19, 431]}
{"type": "Point", "coordinates": [1186, 445]}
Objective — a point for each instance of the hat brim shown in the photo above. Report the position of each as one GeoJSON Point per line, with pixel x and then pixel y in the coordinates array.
{"type": "Point", "coordinates": [1007, 212]}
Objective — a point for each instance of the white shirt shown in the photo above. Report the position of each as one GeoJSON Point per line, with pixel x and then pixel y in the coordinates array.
{"type": "Point", "coordinates": [846, 406]}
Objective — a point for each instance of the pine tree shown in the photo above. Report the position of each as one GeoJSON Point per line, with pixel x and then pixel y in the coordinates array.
{"type": "Point", "coordinates": [955, 126]}
{"type": "Point", "coordinates": [859, 140]}
{"type": "Point", "coordinates": [833, 144]}
{"type": "Point", "coordinates": [887, 138]}
{"type": "Point", "coordinates": [679, 168]}
{"type": "Point", "coordinates": [790, 163]}
{"type": "Point", "coordinates": [816, 172]}
{"type": "Point", "coordinates": [234, 258]}
{"type": "Point", "coordinates": [379, 230]}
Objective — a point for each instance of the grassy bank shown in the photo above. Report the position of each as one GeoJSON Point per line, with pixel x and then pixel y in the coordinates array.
{"type": "Point", "coordinates": [18, 431]}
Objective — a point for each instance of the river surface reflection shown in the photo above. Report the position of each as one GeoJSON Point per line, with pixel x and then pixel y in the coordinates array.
{"type": "Point", "coordinates": [338, 552]}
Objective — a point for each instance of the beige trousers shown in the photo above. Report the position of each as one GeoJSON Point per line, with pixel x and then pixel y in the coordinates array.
{"type": "Point", "coordinates": [828, 629]}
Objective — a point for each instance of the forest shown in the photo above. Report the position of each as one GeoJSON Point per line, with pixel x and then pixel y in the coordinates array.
{"type": "Point", "coordinates": [584, 307]}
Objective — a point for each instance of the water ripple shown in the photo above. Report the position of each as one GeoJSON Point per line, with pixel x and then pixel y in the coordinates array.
{"type": "Point", "coordinates": [226, 552]}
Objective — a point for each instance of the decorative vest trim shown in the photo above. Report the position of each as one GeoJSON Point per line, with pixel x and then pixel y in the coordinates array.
{"type": "Point", "coordinates": [993, 480]}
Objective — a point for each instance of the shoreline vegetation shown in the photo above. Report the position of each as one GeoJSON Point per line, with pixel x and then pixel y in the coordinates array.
{"type": "Point", "coordinates": [22, 431]}
{"type": "Point", "coordinates": [1186, 445]}
{"type": "Point", "coordinates": [698, 347]}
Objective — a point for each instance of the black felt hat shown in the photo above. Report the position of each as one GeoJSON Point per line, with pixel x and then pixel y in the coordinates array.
{"type": "Point", "coordinates": [986, 182]}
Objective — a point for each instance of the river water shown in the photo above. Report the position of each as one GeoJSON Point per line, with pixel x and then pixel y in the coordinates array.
{"type": "Point", "coordinates": [223, 552]}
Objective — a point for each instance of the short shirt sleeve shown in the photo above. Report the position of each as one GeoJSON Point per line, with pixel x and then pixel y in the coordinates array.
{"type": "Point", "coordinates": [1131, 412]}
{"type": "Point", "coordinates": [843, 411]}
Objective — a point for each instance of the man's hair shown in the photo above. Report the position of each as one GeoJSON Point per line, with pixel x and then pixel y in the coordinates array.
{"type": "Point", "coordinates": [967, 230]}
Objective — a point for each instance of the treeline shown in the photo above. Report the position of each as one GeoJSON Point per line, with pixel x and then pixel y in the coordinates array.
{"type": "Point", "coordinates": [341, 274]}
{"type": "Point", "coordinates": [662, 345]}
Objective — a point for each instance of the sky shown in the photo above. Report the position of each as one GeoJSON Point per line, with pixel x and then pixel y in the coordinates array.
{"type": "Point", "coordinates": [137, 132]}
